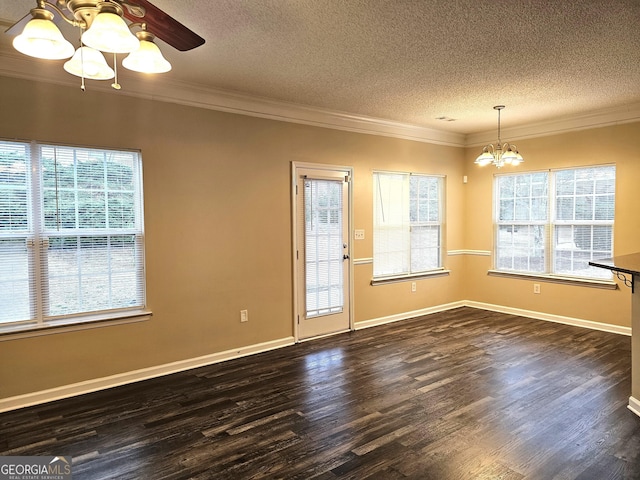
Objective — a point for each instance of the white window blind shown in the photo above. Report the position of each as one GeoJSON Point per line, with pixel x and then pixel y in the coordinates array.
{"type": "Point", "coordinates": [584, 214]}
{"type": "Point", "coordinates": [522, 217]}
{"type": "Point", "coordinates": [555, 222]}
{"type": "Point", "coordinates": [407, 223]}
{"type": "Point", "coordinates": [16, 269]}
{"type": "Point", "coordinates": [71, 233]}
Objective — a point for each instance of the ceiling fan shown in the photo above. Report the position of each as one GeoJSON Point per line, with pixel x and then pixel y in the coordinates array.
{"type": "Point", "coordinates": [103, 30]}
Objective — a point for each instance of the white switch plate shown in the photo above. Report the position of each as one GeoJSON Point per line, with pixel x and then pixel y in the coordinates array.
{"type": "Point", "coordinates": [358, 234]}
{"type": "Point", "coordinates": [244, 315]}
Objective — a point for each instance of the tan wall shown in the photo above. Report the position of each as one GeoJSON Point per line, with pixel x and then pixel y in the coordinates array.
{"type": "Point", "coordinates": [615, 144]}
{"type": "Point", "coordinates": [218, 227]}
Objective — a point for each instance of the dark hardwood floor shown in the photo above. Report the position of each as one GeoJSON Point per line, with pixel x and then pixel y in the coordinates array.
{"type": "Point", "coordinates": [462, 394]}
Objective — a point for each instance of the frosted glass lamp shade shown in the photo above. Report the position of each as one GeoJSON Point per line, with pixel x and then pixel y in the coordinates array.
{"type": "Point", "coordinates": [89, 63]}
{"type": "Point", "coordinates": [509, 156]}
{"type": "Point", "coordinates": [147, 59]}
{"type": "Point", "coordinates": [110, 33]}
{"type": "Point", "coordinates": [484, 159]}
{"type": "Point", "coordinates": [42, 39]}
{"type": "Point", "coordinates": [518, 160]}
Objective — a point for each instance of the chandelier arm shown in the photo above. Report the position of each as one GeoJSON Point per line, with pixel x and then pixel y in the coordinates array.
{"type": "Point", "coordinates": [141, 25]}
{"type": "Point", "coordinates": [43, 4]}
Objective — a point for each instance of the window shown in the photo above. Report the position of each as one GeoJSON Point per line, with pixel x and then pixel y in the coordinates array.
{"type": "Point", "coordinates": [71, 234]}
{"type": "Point", "coordinates": [407, 224]}
{"type": "Point", "coordinates": [554, 223]}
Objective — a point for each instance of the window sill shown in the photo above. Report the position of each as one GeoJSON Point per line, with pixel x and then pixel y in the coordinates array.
{"type": "Point", "coordinates": [582, 282]}
{"type": "Point", "coordinates": [405, 278]}
{"type": "Point", "coordinates": [72, 324]}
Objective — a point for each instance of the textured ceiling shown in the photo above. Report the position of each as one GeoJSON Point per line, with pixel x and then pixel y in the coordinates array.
{"type": "Point", "coordinates": [413, 61]}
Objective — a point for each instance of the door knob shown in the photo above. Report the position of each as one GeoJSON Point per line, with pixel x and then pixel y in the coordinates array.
{"type": "Point", "coordinates": [345, 257]}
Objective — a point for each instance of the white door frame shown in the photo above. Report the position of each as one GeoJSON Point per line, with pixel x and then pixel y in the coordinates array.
{"type": "Point", "coordinates": [294, 236]}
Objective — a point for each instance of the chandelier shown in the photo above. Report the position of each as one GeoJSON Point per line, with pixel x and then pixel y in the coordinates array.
{"type": "Point", "coordinates": [499, 154]}
{"type": "Point", "coordinates": [103, 29]}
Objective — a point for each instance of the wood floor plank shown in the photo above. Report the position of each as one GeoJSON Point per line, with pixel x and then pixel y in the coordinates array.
{"type": "Point", "coordinates": [461, 394]}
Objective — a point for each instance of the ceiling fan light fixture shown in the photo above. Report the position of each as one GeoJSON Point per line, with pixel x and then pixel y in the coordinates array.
{"type": "Point", "coordinates": [109, 33]}
{"type": "Point", "coordinates": [147, 58]}
{"type": "Point", "coordinates": [41, 38]}
{"type": "Point", "coordinates": [89, 63]}
{"type": "Point", "coordinates": [106, 27]}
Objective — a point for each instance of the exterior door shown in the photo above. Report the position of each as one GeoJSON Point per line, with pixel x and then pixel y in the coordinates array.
{"type": "Point", "coordinates": [323, 264]}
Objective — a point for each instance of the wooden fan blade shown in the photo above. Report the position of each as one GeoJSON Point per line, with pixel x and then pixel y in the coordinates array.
{"type": "Point", "coordinates": [164, 26]}
{"type": "Point", "coordinates": [18, 27]}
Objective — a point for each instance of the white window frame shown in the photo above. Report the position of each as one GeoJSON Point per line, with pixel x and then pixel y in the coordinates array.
{"type": "Point", "coordinates": [40, 233]}
{"type": "Point", "coordinates": [549, 229]}
{"type": "Point", "coordinates": [402, 228]}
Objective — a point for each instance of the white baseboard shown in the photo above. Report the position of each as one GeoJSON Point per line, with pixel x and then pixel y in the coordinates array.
{"type": "Point", "coordinates": [65, 391]}
{"type": "Point", "coordinates": [406, 315]}
{"type": "Point", "coordinates": [634, 406]}
{"type": "Point", "coordinates": [577, 322]}
{"type": "Point", "coordinates": [93, 385]}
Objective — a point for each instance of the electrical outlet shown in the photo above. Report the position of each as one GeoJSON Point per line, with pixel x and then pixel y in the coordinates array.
{"type": "Point", "coordinates": [244, 315]}
{"type": "Point", "coordinates": [536, 288]}
{"type": "Point", "coordinates": [358, 234]}
{"type": "Point", "coordinates": [413, 286]}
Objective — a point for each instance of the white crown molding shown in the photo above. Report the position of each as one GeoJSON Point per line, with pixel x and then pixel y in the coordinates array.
{"type": "Point", "coordinates": [15, 65]}
{"type": "Point", "coordinates": [595, 119]}
{"type": "Point", "coordinates": [20, 66]}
